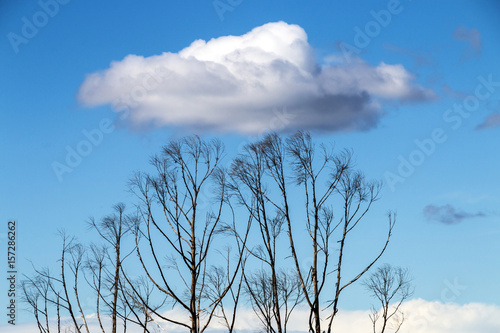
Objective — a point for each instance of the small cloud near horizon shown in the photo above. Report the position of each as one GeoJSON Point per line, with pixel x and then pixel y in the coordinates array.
{"type": "Point", "coordinates": [235, 84]}
{"type": "Point", "coordinates": [448, 214]}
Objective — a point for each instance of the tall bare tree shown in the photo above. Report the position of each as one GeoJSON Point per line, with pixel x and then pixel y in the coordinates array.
{"type": "Point", "coordinates": [105, 265]}
{"type": "Point", "coordinates": [178, 234]}
{"type": "Point", "coordinates": [271, 171]}
{"type": "Point", "coordinates": [249, 178]}
{"type": "Point", "coordinates": [391, 286]}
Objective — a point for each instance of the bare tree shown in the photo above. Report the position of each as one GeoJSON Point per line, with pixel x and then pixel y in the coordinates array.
{"type": "Point", "coordinates": [75, 264]}
{"type": "Point", "coordinates": [179, 234]}
{"type": "Point", "coordinates": [105, 267]}
{"type": "Point", "coordinates": [36, 290]}
{"type": "Point", "coordinates": [391, 286]}
{"type": "Point", "coordinates": [96, 267]}
{"type": "Point", "coordinates": [58, 290]}
{"type": "Point", "coordinates": [271, 171]}
{"type": "Point", "coordinates": [248, 177]}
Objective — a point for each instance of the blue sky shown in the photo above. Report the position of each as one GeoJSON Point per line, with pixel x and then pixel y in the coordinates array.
{"type": "Point", "coordinates": [408, 75]}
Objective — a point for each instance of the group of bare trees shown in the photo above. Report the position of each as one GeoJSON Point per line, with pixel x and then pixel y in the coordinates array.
{"type": "Point", "coordinates": [269, 229]}
{"type": "Point", "coordinates": [91, 278]}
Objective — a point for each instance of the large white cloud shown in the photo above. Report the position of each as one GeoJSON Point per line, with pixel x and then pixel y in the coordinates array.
{"type": "Point", "coordinates": [233, 83]}
{"type": "Point", "coordinates": [423, 317]}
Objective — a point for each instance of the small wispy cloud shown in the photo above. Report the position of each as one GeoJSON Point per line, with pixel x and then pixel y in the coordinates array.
{"type": "Point", "coordinates": [454, 93]}
{"type": "Point", "coordinates": [421, 58]}
{"type": "Point", "coordinates": [493, 120]}
{"type": "Point", "coordinates": [472, 37]}
{"type": "Point", "coordinates": [448, 214]}
{"type": "Point", "coordinates": [233, 83]}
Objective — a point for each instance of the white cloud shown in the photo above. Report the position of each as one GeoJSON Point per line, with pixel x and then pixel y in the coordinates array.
{"type": "Point", "coordinates": [233, 83]}
{"type": "Point", "coordinates": [436, 317]}
{"type": "Point", "coordinates": [423, 317]}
